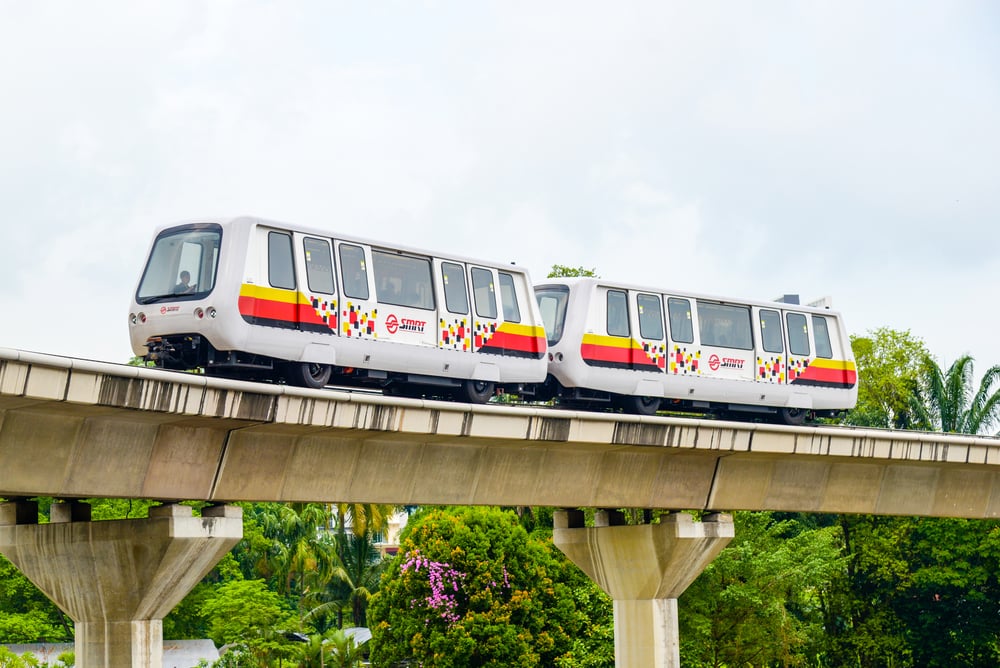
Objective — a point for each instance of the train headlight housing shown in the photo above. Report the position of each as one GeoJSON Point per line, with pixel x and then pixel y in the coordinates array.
{"type": "Point", "coordinates": [142, 317]}
{"type": "Point", "coordinates": [211, 312]}
{"type": "Point", "coordinates": [133, 318]}
{"type": "Point", "coordinates": [198, 313]}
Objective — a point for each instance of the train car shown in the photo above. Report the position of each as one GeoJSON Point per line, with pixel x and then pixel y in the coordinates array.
{"type": "Point", "coordinates": [642, 349]}
{"type": "Point", "coordinates": [257, 299]}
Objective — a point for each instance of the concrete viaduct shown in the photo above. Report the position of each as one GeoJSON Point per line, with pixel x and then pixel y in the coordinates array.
{"type": "Point", "coordinates": [75, 429]}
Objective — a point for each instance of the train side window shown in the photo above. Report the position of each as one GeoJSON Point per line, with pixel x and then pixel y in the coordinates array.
{"type": "Point", "coordinates": [352, 264]}
{"type": "Point", "coordinates": [508, 298]}
{"type": "Point", "coordinates": [770, 332]}
{"type": "Point", "coordinates": [280, 273]}
{"type": "Point", "coordinates": [319, 265]}
{"type": "Point", "coordinates": [617, 313]}
{"type": "Point", "coordinates": [456, 292]}
{"type": "Point", "coordinates": [798, 334]}
{"type": "Point", "coordinates": [724, 325]}
{"type": "Point", "coordinates": [821, 333]}
{"type": "Point", "coordinates": [650, 317]}
{"type": "Point", "coordinates": [681, 327]}
{"type": "Point", "coordinates": [402, 280]}
{"type": "Point", "coordinates": [484, 293]}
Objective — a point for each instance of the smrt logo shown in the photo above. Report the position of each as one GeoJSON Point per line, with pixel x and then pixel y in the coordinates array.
{"type": "Point", "coordinates": [714, 362]}
{"type": "Point", "coordinates": [169, 309]}
{"type": "Point", "coordinates": [393, 324]}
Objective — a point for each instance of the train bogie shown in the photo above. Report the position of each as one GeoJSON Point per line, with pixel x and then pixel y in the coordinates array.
{"type": "Point", "coordinates": [642, 349]}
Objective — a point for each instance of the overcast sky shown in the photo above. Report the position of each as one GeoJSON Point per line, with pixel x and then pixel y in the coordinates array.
{"type": "Point", "coordinates": [746, 149]}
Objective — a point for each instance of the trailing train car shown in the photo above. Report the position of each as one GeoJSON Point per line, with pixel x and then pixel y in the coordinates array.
{"type": "Point", "coordinates": [642, 349]}
{"type": "Point", "coordinates": [257, 299]}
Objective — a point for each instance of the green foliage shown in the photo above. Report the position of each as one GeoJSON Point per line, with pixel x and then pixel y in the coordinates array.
{"type": "Point", "coordinates": [471, 588]}
{"type": "Point", "coordinates": [888, 363]}
{"type": "Point", "coordinates": [759, 602]}
{"type": "Point", "coordinates": [562, 271]}
{"type": "Point", "coordinates": [951, 405]}
{"type": "Point", "coordinates": [337, 648]}
{"type": "Point", "coordinates": [247, 613]}
{"type": "Point", "coordinates": [26, 614]}
{"type": "Point", "coordinates": [9, 659]}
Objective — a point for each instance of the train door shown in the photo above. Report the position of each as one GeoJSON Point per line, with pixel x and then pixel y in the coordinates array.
{"type": "Point", "coordinates": [684, 356]}
{"type": "Point", "coordinates": [800, 346]}
{"type": "Point", "coordinates": [486, 313]}
{"type": "Point", "coordinates": [770, 364]}
{"type": "Point", "coordinates": [453, 331]}
{"type": "Point", "coordinates": [405, 294]}
{"type": "Point", "coordinates": [268, 295]}
{"type": "Point", "coordinates": [651, 354]}
{"type": "Point", "coordinates": [726, 338]}
{"type": "Point", "coordinates": [319, 311]}
{"type": "Point", "coordinates": [358, 307]}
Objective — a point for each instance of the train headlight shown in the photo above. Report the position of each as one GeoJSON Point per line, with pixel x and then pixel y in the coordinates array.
{"type": "Point", "coordinates": [211, 312]}
{"type": "Point", "coordinates": [133, 318]}
{"type": "Point", "coordinates": [198, 313]}
{"type": "Point", "coordinates": [142, 317]}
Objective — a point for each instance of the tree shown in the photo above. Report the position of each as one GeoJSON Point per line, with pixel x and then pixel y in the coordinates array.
{"type": "Point", "coordinates": [759, 602]}
{"type": "Point", "coordinates": [290, 549]}
{"type": "Point", "coordinates": [471, 588]}
{"type": "Point", "coordinates": [888, 363]}
{"type": "Point", "coordinates": [951, 404]}
{"type": "Point", "coordinates": [562, 271]}
{"type": "Point", "coordinates": [247, 613]}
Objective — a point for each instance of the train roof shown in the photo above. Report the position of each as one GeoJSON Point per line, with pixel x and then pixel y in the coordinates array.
{"type": "Point", "coordinates": [685, 293]}
{"type": "Point", "coordinates": [247, 221]}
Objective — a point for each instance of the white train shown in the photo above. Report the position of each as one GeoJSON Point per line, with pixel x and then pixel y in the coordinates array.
{"type": "Point", "coordinates": [261, 300]}
{"type": "Point", "coordinates": [644, 349]}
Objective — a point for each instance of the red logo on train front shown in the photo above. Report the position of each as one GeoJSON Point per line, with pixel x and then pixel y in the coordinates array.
{"type": "Point", "coordinates": [713, 362]}
{"type": "Point", "coordinates": [391, 323]}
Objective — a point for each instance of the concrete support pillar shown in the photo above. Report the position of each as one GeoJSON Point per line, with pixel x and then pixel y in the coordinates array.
{"type": "Point", "coordinates": [117, 579]}
{"type": "Point", "coordinates": [644, 568]}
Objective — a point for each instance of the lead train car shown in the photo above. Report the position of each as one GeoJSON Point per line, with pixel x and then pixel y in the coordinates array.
{"type": "Point", "coordinates": [260, 300]}
{"type": "Point", "coordinates": [645, 349]}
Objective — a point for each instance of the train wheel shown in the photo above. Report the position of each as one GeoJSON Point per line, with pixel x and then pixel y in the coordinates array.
{"type": "Point", "coordinates": [793, 416]}
{"type": "Point", "coordinates": [640, 405]}
{"type": "Point", "coordinates": [309, 374]}
{"type": "Point", "coordinates": [475, 391]}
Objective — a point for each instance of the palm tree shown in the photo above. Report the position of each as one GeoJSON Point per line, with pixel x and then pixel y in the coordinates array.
{"type": "Point", "coordinates": [364, 518]}
{"type": "Point", "coordinates": [950, 401]}
{"type": "Point", "coordinates": [300, 558]}
{"type": "Point", "coordinates": [357, 582]}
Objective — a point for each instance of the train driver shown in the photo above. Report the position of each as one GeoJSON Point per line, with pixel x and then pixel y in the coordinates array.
{"type": "Point", "coordinates": [184, 286]}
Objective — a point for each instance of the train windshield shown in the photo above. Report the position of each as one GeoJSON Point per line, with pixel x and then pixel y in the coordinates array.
{"type": "Point", "coordinates": [182, 264]}
{"type": "Point", "coordinates": [552, 303]}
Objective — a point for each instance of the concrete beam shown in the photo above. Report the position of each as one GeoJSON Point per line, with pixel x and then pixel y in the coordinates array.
{"type": "Point", "coordinates": [117, 579]}
{"type": "Point", "coordinates": [644, 568]}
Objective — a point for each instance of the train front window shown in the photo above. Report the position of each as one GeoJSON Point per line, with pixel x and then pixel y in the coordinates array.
{"type": "Point", "coordinates": [182, 264]}
{"type": "Point", "coordinates": [552, 301]}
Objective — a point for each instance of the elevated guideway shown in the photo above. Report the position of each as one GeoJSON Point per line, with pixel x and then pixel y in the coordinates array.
{"type": "Point", "coordinates": [75, 429]}
{"type": "Point", "coordinates": [72, 428]}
